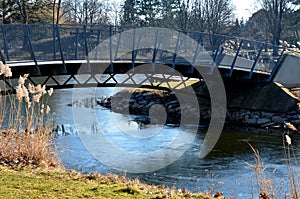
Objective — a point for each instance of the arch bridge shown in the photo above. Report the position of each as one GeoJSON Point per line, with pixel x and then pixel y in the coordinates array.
{"type": "Point", "coordinates": [54, 54]}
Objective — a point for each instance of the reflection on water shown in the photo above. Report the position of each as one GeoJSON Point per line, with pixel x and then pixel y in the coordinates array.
{"type": "Point", "coordinates": [227, 168]}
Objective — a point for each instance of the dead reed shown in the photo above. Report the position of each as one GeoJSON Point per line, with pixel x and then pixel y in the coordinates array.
{"type": "Point", "coordinates": [267, 187]}
{"type": "Point", "coordinates": [25, 133]}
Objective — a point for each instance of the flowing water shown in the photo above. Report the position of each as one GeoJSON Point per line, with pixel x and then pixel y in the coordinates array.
{"type": "Point", "coordinates": [228, 168]}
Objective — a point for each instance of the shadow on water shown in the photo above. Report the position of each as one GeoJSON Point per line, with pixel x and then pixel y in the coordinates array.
{"type": "Point", "coordinates": [227, 168]}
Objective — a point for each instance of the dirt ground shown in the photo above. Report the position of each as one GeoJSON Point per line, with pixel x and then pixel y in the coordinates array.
{"type": "Point", "coordinates": [296, 92]}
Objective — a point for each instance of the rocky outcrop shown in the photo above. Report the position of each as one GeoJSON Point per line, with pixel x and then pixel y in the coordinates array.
{"type": "Point", "coordinates": [139, 102]}
{"type": "Point", "coordinates": [154, 106]}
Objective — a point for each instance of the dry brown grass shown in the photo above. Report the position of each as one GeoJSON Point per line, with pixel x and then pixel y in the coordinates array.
{"type": "Point", "coordinates": [266, 185]}
{"type": "Point", "coordinates": [268, 188]}
{"type": "Point", "coordinates": [24, 149]}
{"type": "Point", "coordinates": [25, 133]}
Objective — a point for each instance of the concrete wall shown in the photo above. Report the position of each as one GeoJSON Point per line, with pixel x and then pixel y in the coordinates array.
{"type": "Point", "coordinates": [289, 72]}
{"type": "Point", "coordinates": [227, 60]}
{"type": "Point", "coordinates": [272, 97]}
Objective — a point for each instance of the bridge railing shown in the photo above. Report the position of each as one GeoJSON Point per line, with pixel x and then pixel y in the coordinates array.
{"type": "Point", "coordinates": [47, 42]}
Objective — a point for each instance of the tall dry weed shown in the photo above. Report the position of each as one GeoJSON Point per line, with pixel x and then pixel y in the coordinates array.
{"type": "Point", "coordinates": [25, 134]}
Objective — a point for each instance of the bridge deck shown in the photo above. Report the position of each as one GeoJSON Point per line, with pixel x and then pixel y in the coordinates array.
{"type": "Point", "coordinates": [41, 63]}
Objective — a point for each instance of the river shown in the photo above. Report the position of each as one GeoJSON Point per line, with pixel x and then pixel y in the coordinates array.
{"type": "Point", "coordinates": [228, 168]}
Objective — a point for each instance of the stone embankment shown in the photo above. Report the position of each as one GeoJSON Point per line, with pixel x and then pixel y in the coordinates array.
{"type": "Point", "coordinates": [261, 119]}
{"type": "Point", "coordinates": [139, 102]}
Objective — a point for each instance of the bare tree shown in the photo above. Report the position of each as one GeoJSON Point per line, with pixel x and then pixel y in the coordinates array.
{"type": "Point", "coordinates": [183, 17]}
{"type": "Point", "coordinates": [58, 11]}
{"type": "Point", "coordinates": [56, 7]}
{"type": "Point", "coordinates": [86, 11]}
{"type": "Point", "coordinates": [22, 9]}
{"type": "Point", "coordinates": [218, 15]}
{"type": "Point", "coordinates": [275, 14]}
{"type": "Point", "coordinates": [198, 17]}
{"type": "Point", "coordinates": [258, 26]}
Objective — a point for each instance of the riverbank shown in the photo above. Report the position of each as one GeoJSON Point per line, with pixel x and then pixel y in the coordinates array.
{"type": "Point", "coordinates": [40, 182]}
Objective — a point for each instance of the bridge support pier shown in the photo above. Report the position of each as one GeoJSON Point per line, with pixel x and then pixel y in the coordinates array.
{"type": "Point", "coordinates": [272, 97]}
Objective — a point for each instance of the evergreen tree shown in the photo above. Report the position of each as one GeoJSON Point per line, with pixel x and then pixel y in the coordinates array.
{"type": "Point", "coordinates": [170, 13]}
{"type": "Point", "coordinates": [129, 13]}
{"type": "Point", "coordinates": [26, 11]}
{"type": "Point", "coordinates": [148, 12]}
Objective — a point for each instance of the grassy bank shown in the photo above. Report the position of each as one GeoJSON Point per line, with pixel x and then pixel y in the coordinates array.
{"type": "Point", "coordinates": [29, 167]}
{"type": "Point", "coordinates": [60, 183]}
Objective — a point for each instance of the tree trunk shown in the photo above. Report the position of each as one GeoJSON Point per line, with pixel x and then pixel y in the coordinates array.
{"type": "Point", "coordinates": [22, 9]}
{"type": "Point", "coordinates": [58, 11]}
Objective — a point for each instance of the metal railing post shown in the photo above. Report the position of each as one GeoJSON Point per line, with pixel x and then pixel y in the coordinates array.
{"type": "Point", "coordinates": [117, 47]}
{"type": "Point", "coordinates": [176, 50]}
{"type": "Point", "coordinates": [86, 47]}
{"type": "Point", "coordinates": [2, 57]}
{"type": "Point", "coordinates": [54, 42]}
{"type": "Point", "coordinates": [155, 50]}
{"type": "Point", "coordinates": [221, 40]}
{"type": "Point", "coordinates": [37, 69]}
{"type": "Point", "coordinates": [235, 58]}
{"type": "Point", "coordinates": [137, 50]}
{"type": "Point", "coordinates": [196, 52]}
{"type": "Point", "coordinates": [76, 44]}
{"type": "Point", "coordinates": [110, 49]}
{"type": "Point", "coordinates": [276, 67]}
{"type": "Point", "coordinates": [5, 42]}
{"type": "Point", "coordinates": [133, 53]}
{"type": "Point", "coordinates": [64, 69]}
{"type": "Point", "coordinates": [255, 61]}
{"type": "Point", "coordinates": [97, 43]}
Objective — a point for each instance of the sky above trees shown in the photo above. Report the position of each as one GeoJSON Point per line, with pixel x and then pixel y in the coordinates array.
{"type": "Point", "coordinates": [245, 8]}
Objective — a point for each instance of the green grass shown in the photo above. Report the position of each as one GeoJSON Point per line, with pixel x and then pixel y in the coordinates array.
{"type": "Point", "coordinates": [60, 183]}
